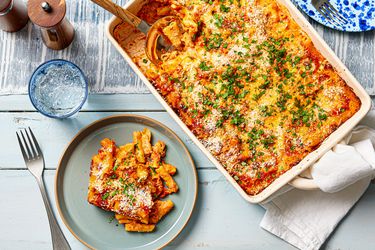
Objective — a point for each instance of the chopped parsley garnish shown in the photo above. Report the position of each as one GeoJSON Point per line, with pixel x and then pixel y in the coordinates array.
{"type": "Point", "coordinates": [105, 196]}
{"type": "Point", "coordinates": [153, 169]}
{"type": "Point", "coordinates": [287, 74]}
{"type": "Point", "coordinates": [214, 42]}
{"type": "Point", "coordinates": [302, 116]}
{"type": "Point", "coordinates": [268, 141]}
{"type": "Point", "coordinates": [254, 135]}
{"type": "Point", "coordinates": [237, 118]}
{"type": "Point", "coordinates": [256, 97]}
{"type": "Point", "coordinates": [224, 8]}
{"type": "Point", "coordinates": [114, 193]}
{"type": "Point", "coordinates": [265, 84]}
{"type": "Point", "coordinates": [203, 66]}
{"type": "Point", "coordinates": [243, 94]}
{"type": "Point", "coordinates": [128, 187]}
{"type": "Point", "coordinates": [266, 110]}
{"type": "Point", "coordinates": [297, 59]}
{"type": "Point", "coordinates": [131, 198]}
{"type": "Point", "coordinates": [322, 116]}
{"type": "Point", "coordinates": [218, 20]}
{"type": "Point", "coordinates": [282, 100]}
{"type": "Point", "coordinates": [219, 123]}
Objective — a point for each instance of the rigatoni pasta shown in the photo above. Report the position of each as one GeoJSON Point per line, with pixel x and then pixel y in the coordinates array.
{"type": "Point", "coordinates": [131, 180]}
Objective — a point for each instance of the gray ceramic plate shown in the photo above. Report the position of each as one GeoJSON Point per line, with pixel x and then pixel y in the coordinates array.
{"type": "Point", "coordinates": [92, 225]}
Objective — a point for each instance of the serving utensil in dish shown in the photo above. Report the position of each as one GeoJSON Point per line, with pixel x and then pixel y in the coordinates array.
{"type": "Point", "coordinates": [92, 225]}
{"type": "Point", "coordinates": [155, 43]}
{"type": "Point", "coordinates": [135, 5]}
{"type": "Point", "coordinates": [34, 161]}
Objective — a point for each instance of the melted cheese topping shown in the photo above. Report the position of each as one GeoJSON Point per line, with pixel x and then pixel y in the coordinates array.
{"type": "Point", "coordinates": [115, 190]}
{"type": "Point", "coordinates": [250, 84]}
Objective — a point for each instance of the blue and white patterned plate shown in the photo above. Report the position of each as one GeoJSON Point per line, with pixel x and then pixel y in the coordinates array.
{"type": "Point", "coordinates": [359, 13]}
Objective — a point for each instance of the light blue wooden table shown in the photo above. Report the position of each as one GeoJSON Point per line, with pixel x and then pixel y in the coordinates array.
{"type": "Point", "coordinates": [222, 219]}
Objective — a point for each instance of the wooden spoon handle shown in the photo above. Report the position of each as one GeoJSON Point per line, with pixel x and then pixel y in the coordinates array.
{"type": "Point", "coordinates": [118, 11]}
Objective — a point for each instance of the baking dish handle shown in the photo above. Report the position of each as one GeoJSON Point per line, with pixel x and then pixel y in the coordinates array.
{"type": "Point", "coordinates": [303, 183]}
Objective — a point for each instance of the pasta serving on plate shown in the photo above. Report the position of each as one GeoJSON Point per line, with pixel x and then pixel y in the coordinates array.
{"type": "Point", "coordinates": [131, 181]}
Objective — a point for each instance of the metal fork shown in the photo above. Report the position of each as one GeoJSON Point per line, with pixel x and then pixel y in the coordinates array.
{"type": "Point", "coordinates": [34, 160]}
{"type": "Point", "coordinates": [330, 13]}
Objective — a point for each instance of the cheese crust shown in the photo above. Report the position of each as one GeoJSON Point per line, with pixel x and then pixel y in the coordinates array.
{"type": "Point", "coordinates": [131, 180]}
{"type": "Point", "coordinates": [249, 84]}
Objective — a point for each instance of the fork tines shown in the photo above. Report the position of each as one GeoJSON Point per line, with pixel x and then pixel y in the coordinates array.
{"type": "Point", "coordinates": [331, 14]}
{"type": "Point", "coordinates": [28, 144]}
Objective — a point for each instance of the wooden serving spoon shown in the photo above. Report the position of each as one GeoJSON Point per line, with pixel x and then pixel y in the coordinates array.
{"type": "Point", "coordinates": [155, 43]}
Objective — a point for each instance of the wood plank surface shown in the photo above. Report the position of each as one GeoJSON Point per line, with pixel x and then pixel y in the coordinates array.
{"type": "Point", "coordinates": [105, 69]}
{"type": "Point", "coordinates": [54, 135]}
{"type": "Point", "coordinates": [214, 225]}
{"type": "Point", "coordinates": [95, 102]}
{"type": "Point", "coordinates": [107, 72]}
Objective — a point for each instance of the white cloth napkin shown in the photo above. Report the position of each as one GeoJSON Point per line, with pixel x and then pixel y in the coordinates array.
{"type": "Point", "coordinates": [305, 219]}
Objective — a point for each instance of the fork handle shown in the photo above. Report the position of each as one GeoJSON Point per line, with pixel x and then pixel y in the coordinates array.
{"type": "Point", "coordinates": [58, 239]}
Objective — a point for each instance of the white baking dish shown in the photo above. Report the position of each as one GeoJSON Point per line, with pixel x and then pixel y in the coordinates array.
{"type": "Point", "coordinates": [135, 5]}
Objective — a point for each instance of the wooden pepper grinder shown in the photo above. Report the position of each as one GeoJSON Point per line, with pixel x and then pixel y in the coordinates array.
{"type": "Point", "coordinates": [13, 15]}
{"type": "Point", "coordinates": [49, 15]}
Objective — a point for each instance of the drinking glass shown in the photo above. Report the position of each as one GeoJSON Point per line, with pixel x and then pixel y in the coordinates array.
{"type": "Point", "coordinates": [58, 88]}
